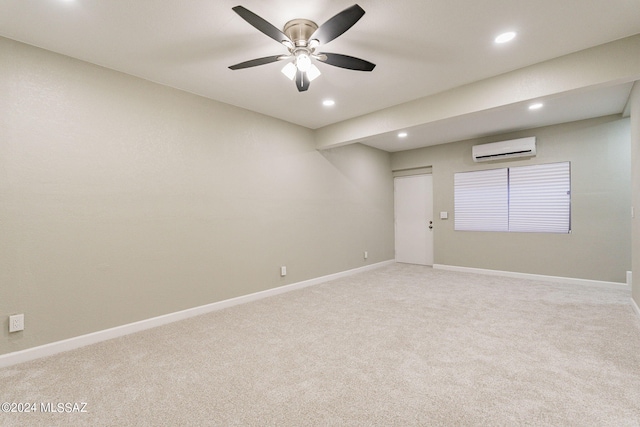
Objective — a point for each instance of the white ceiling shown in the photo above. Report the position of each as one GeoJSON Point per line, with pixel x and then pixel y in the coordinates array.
{"type": "Point", "coordinates": [421, 47]}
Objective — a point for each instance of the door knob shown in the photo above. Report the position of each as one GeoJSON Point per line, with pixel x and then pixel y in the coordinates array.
{"type": "Point", "coordinates": [430, 225]}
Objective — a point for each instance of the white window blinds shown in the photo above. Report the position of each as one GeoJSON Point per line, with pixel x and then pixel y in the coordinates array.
{"type": "Point", "coordinates": [540, 198]}
{"type": "Point", "coordinates": [481, 201]}
{"type": "Point", "coordinates": [533, 198]}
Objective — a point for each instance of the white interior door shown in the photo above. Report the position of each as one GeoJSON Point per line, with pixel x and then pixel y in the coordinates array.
{"type": "Point", "coordinates": [414, 219]}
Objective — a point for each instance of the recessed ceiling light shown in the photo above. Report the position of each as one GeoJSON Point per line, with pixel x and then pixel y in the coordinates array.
{"type": "Point", "coordinates": [535, 106]}
{"type": "Point", "coordinates": [328, 102]}
{"type": "Point", "coordinates": [505, 37]}
{"type": "Point", "coordinates": [402, 135]}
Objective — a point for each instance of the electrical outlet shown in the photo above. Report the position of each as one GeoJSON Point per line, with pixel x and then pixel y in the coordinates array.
{"type": "Point", "coordinates": [16, 323]}
{"type": "Point", "coordinates": [366, 254]}
{"type": "Point", "coordinates": [283, 271]}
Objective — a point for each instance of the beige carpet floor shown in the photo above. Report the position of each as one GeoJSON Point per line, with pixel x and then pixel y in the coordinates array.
{"type": "Point", "coordinates": [402, 345]}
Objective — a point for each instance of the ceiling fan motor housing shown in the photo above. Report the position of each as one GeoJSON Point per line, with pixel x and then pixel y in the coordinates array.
{"type": "Point", "coordinates": [300, 31]}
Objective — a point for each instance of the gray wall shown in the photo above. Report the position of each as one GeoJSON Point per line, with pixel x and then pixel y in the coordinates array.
{"type": "Point", "coordinates": [599, 247]}
{"type": "Point", "coordinates": [634, 103]}
{"type": "Point", "coordinates": [121, 200]}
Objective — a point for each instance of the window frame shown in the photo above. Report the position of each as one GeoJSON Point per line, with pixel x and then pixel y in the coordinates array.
{"type": "Point", "coordinates": [521, 196]}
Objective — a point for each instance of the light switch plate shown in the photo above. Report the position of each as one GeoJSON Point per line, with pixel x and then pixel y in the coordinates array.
{"type": "Point", "coordinates": [444, 215]}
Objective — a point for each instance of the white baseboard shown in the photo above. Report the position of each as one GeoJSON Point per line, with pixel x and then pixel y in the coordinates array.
{"type": "Point", "coordinates": [50, 349]}
{"type": "Point", "coordinates": [556, 279]}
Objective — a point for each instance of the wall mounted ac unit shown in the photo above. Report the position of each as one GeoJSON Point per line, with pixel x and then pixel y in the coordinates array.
{"type": "Point", "coordinates": [522, 147]}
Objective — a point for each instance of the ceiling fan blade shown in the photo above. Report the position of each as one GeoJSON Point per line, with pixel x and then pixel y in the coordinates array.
{"type": "Point", "coordinates": [337, 25]}
{"type": "Point", "coordinates": [346, 61]}
{"type": "Point", "coordinates": [256, 62]}
{"type": "Point", "coordinates": [261, 25]}
{"type": "Point", "coordinates": [302, 82]}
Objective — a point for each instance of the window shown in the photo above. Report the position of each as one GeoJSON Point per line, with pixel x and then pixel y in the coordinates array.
{"type": "Point", "coordinates": [482, 200]}
{"type": "Point", "coordinates": [533, 198]}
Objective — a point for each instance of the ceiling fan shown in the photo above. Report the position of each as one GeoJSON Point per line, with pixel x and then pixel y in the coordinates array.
{"type": "Point", "coordinates": [302, 37]}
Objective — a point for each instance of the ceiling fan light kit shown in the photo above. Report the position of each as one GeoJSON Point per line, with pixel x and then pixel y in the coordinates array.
{"type": "Point", "coordinates": [301, 37]}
